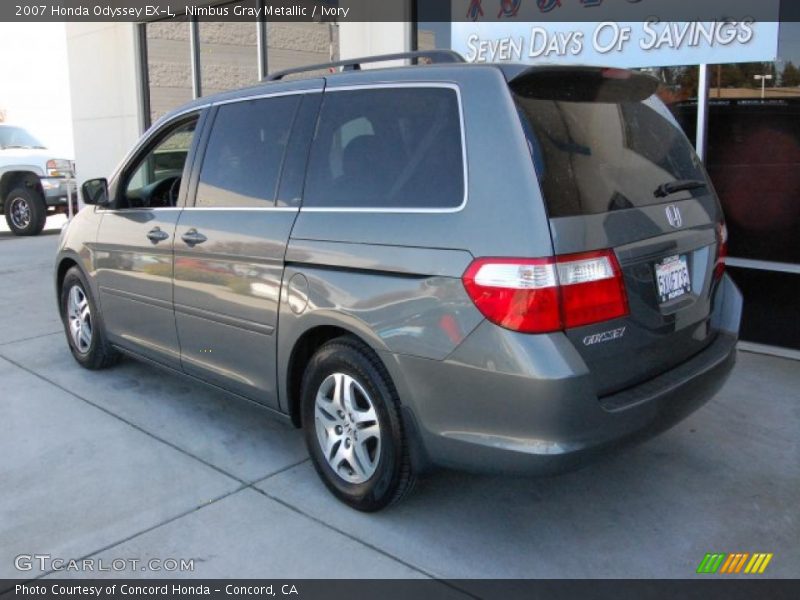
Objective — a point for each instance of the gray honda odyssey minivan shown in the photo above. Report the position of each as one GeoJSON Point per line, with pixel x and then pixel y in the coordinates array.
{"type": "Point", "coordinates": [490, 267]}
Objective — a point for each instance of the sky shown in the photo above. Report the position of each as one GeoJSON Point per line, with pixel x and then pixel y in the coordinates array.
{"type": "Point", "coordinates": [34, 82]}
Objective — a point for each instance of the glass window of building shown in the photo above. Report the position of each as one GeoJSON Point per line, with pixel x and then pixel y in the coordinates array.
{"type": "Point", "coordinates": [753, 150]}
{"type": "Point", "coordinates": [291, 45]}
{"type": "Point", "coordinates": [430, 36]}
{"type": "Point", "coordinates": [753, 158]}
{"type": "Point", "coordinates": [432, 24]}
{"type": "Point", "coordinates": [228, 54]}
{"type": "Point", "coordinates": [169, 69]}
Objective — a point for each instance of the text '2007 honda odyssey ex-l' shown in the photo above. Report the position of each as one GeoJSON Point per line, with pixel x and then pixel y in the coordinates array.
{"type": "Point", "coordinates": [488, 267]}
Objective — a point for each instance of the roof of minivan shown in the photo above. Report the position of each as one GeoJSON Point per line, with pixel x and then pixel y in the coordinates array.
{"type": "Point", "coordinates": [313, 81]}
{"type": "Point", "coordinates": [382, 75]}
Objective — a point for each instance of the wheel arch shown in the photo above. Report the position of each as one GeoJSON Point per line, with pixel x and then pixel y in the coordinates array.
{"type": "Point", "coordinates": [18, 176]}
{"type": "Point", "coordinates": [64, 263]}
{"type": "Point", "coordinates": [302, 350]}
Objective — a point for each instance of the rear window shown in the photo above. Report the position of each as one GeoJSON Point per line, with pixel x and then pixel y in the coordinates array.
{"type": "Point", "coordinates": [597, 152]}
{"type": "Point", "coordinates": [390, 148]}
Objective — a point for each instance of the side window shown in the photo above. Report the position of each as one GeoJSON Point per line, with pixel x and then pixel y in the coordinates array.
{"type": "Point", "coordinates": [387, 148]}
{"type": "Point", "coordinates": [154, 182]}
{"type": "Point", "coordinates": [245, 152]}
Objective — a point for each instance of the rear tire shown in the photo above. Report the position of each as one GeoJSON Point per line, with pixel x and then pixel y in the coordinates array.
{"type": "Point", "coordinates": [83, 324]}
{"type": "Point", "coordinates": [353, 427]}
{"type": "Point", "coordinates": [25, 210]}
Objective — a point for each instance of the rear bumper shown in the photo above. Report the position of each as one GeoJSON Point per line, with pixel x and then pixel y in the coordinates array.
{"type": "Point", "coordinates": [508, 402]}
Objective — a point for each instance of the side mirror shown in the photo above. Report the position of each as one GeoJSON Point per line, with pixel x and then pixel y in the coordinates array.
{"type": "Point", "coordinates": [95, 191]}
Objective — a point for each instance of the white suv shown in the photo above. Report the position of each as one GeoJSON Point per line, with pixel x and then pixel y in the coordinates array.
{"type": "Point", "coordinates": [33, 184]}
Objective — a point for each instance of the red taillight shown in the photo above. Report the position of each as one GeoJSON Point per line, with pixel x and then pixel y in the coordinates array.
{"type": "Point", "coordinates": [541, 295]}
{"type": "Point", "coordinates": [722, 250]}
{"type": "Point", "coordinates": [592, 289]}
{"type": "Point", "coordinates": [518, 294]}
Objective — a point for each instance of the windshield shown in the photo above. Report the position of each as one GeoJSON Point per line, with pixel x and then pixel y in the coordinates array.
{"type": "Point", "coordinates": [17, 137]}
{"type": "Point", "coordinates": [594, 157]}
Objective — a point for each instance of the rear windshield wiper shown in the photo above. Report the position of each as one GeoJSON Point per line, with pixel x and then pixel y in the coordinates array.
{"type": "Point", "coordinates": [680, 185]}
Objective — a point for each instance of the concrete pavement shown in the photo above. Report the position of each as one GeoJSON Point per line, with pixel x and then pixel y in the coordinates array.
{"type": "Point", "coordinates": [133, 463]}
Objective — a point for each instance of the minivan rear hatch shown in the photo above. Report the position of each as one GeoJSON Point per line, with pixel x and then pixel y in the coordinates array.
{"type": "Point", "coordinates": [616, 172]}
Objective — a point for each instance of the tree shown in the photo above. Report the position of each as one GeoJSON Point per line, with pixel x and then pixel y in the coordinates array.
{"type": "Point", "coordinates": [734, 76]}
{"type": "Point", "coordinates": [790, 76]}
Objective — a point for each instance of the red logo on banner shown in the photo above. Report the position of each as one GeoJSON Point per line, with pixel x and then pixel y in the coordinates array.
{"type": "Point", "coordinates": [475, 10]}
{"type": "Point", "coordinates": [509, 8]}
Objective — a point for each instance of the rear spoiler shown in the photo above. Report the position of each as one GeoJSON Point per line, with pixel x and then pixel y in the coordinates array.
{"type": "Point", "coordinates": [581, 84]}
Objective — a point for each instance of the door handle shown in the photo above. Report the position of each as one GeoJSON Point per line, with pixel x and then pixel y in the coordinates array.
{"type": "Point", "coordinates": [156, 235]}
{"type": "Point", "coordinates": [193, 237]}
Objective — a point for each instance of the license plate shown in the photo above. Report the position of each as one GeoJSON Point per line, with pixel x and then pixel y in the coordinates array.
{"type": "Point", "coordinates": [672, 278]}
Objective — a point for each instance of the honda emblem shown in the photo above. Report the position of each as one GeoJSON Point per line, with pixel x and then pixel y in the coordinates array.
{"type": "Point", "coordinates": [674, 216]}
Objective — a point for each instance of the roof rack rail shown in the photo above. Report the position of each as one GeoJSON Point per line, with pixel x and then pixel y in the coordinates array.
{"type": "Point", "coordinates": [354, 64]}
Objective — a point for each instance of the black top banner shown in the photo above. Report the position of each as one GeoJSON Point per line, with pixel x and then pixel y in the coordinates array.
{"type": "Point", "coordinates": [400, 10]}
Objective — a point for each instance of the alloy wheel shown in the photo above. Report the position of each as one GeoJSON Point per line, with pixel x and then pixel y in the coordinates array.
{"type": "Point", "coordinates": [347, 427]}
{"type": "Point", "coordinates": [80, 319]}
{"type": "Point", "coordinates": [20, 213]}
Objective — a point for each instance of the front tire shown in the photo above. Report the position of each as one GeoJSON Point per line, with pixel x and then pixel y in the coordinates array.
{"type": "Point", "coordinates": [353, 427]}
{"type": "Point", "coordinates": [26, 211]}
{"type": "Point", "coordinates": [83, 324]}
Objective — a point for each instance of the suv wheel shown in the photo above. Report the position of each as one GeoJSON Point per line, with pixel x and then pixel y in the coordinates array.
{"type": "Point", "coordinates": [82, 324]}
{"type": "Point", "coordinates": [25, 211]}
{"type": "Point", "coordinates": [353, 428]}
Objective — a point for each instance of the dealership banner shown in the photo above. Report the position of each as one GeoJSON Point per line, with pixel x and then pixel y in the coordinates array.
{"type": "Point", "coordinates": [626, 44]}
{"type": "Point", "coordinates": [503, 11]}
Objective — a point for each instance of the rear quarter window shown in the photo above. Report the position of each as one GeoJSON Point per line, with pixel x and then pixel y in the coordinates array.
{"type": "Point", "coordinates": [387, 148]}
